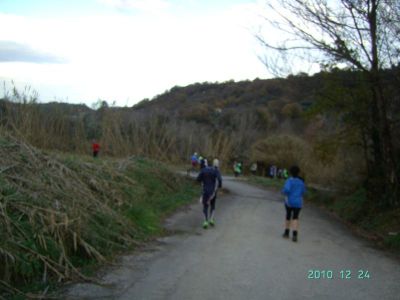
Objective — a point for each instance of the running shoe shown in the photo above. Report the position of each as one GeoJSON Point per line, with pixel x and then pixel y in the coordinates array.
{"type": "Point", "coordinates": [294, 238]}
{"type": "Point", "coordinates": [285, 235]}
{"type": "Point", "coordinates": [205, 225]}
{"type": "Point", "coordinates": [212, 223]}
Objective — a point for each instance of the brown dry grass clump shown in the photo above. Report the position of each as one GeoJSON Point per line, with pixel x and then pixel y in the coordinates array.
{"type": "Point", "coordinates": [60, 212]}
{"type": "Point", "coordinates": [342, 169]}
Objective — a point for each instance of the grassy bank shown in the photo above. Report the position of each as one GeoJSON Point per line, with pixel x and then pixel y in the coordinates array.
{"type": "Point", "coordinates": [376, 223]}
{"type": "Point", "coordinates": [367, 219]}
{"type": "Point", "coordinates": [61, 214]}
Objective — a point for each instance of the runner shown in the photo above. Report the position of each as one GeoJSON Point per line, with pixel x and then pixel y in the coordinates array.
{"type": "Point", "coordinates": [236, 168]}
{"type": "Point", "coordinates": [208, 176]}
{"type": "Point", "coordinates": [200, 159]}
{"type": "Point", "coordinates": [217, 185]}
{"type": "Point", "coordinates": [203, 163]}
{"type": "Point", "coordinates": [285, 173]}
{"type": "Point", "coordinates": [95, 148]}
{"type": "Point", "coordinates": [240, 165]}
{"type": "Point", "coordinates": [294, 190]}
{"type": "Point", "coordinates": [272, 171]}
{"type": "Point", "coordinates": [253, 169]}
{"type": "Point", "coordinates": [194, 160]}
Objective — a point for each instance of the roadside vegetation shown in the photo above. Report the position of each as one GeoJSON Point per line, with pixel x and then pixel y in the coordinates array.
{"type": "Point", "coordinates": [61, 214]}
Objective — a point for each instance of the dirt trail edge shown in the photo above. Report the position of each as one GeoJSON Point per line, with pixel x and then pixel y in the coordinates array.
{"type": "Point", "coordinates": [245, 257]}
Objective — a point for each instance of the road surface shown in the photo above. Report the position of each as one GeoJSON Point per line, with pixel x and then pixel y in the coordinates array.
{"type": "Point", "coordinates": [245, 257]}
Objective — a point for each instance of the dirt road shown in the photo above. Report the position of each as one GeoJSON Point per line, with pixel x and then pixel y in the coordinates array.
{"type": "Point", "coordinates": [245, 257]}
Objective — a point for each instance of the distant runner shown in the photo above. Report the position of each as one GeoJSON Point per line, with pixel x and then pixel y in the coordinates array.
{"type": "Point", "coordinates": [285, 173]}
{"type": "Point", "coordinates": [294, 190]}
{"type": "Point", "coordinates": [95, 148]}
{"type": "Point", "coordinates": [253, 169]}
{"type": "Point", "coordinates": [211, 180]}
{"type": "Point", "coordinates": [236, 169]}
{"type": "Point", "coordinates": [194, 161]}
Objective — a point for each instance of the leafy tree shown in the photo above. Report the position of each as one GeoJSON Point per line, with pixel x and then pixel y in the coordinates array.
{"type": "Point", "coordinates": [361, 35]}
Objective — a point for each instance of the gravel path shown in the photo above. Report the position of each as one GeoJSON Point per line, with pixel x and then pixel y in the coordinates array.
{"type": "Point", "coordinates": [244, 257]}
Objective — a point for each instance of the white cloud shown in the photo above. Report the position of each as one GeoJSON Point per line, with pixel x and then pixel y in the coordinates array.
{"type": "Point", "coordinates": [120, 57]}
{"type": "Point", "coordinates": [144, 5]}
{"type": "Point", "coordinates": [11, 51]}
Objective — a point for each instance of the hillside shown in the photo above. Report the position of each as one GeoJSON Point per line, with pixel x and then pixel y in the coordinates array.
{"type": "Point", "coordinates": [230, 94]}
{"type": "Point", "coordinates": [221, 110]}
{"type": "Point", "coordinates": [203, 103]}
{"type": "Point", "coordinates": [323, 118]}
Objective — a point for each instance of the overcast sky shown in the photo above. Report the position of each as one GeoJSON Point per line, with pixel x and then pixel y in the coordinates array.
{"type": "Point", "coordinates": [79, 51]}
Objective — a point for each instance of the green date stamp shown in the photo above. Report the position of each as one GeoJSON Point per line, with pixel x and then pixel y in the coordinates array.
{"type": "Point", "coordinates": [338, 274]}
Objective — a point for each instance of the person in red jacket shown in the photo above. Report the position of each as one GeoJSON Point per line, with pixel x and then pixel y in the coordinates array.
{"type": "Point", "coordinates": [95, 148]}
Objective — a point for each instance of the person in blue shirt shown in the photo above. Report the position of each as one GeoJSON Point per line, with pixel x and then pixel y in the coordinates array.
{"type": "Point", "coordinates": [194, 160]}
{"type": "Point", "coordinates": [294, 190]}
{"type": "Point", "coordinates": [211, 180]}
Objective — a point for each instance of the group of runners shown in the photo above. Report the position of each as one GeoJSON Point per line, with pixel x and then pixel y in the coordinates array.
{"type": "Point", "coordinates": [293, 190]}
{"type": "Point", "coordinates": [276, 172]}
{"type": "Point", "coordinates": [211, 179]}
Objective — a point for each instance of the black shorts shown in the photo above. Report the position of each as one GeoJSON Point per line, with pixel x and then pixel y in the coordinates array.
{"type": "Point", "coordinates": [292, 212]}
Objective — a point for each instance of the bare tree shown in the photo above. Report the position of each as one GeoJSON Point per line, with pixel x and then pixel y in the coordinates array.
{"type": "Point", "coordinates": [360, 35]}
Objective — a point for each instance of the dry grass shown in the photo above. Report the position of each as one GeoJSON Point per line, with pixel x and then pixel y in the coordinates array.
{"type": "Point", "coordinates": [59, 212]}
{"type": "Point", "coordinates": [46, 210]}
{"type": "Point", "coordinates": [124, 132]}
{"type": "Point", "coordinates": [121, 133]}
{"type": "Point", "coordinates": [343, 169]}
